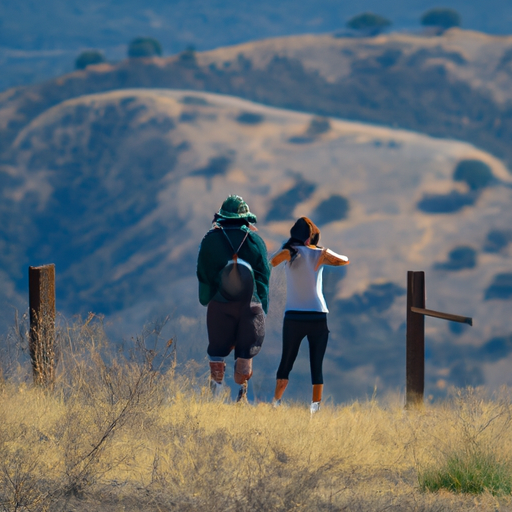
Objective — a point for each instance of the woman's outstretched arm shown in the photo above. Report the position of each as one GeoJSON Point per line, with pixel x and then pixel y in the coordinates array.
{"type": "Point", "coordinates": [279, 257]}
{"type": "Point", "coordinates": [329, 257]}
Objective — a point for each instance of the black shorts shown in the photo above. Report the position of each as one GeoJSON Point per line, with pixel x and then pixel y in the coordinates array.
{"type": "Point", "coordinates": [235, 325]}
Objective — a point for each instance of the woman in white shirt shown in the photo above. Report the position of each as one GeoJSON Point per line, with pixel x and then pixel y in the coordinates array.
{"type": "Point", "coordinates": [305, 310]}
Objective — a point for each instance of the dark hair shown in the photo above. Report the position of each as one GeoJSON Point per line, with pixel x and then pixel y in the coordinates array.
{"type": "Point", "coordinates": [303, 229]}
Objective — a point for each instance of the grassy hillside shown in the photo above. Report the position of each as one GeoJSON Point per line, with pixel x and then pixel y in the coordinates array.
{"type": "Point", "coordinates": [117, 190]}
{"type": "Point", "coordinates": [118, 433]}
{"type": "Point", "coordinates": [116, 181]}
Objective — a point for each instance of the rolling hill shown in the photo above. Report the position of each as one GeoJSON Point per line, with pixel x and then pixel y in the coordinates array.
{"type": "Point", "coordinates": [117, 189]}
{"type": "Point", "coordinates": [456, 85]}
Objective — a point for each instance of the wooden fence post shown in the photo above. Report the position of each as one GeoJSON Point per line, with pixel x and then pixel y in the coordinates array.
{"type": "Point", "coordinates": [415, 340]}
{"type": "Point", "coordinates": [415, 336]}
{"type": "Point", "coordinates": [41, 284]}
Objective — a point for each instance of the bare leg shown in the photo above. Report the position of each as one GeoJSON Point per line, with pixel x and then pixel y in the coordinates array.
{"type": "Point", "coordinates": [278, 393]}
{"type": "Point", "coordinates": [317, 397]}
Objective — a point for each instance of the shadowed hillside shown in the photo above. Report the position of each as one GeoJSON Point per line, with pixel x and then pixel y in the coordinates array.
{"type": "Point", "coordinates": [117, 189]}
{"type": "Point", "coordinates": [456, 85]}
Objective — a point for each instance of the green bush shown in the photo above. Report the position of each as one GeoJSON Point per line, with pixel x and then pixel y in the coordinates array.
{"type": "Point", "coordinates": [459, 258]}
{"type": "Point", "coordinates": [472, 472]}
{"type": "Point", "coordinates": [89, 58]}
{"type": "Point", "coordinates": [188, 56]}
{"type": "Point", "coordinates": [318, 125]}
{"type": "Point", "coordinates": [475, 173]}
{"type": "Point", "coordinates": [144, 47]}
{"type": "Point", "coordinates": [282, 206]}
{"type": "Point", "coordinates": [445, 203]}
{"type": "Point", "coordinates": [497, 240]}
{"type": "Point", "coordinates": [500, 288]}
{"type": "Point", "coordinates": [250, 118]}
{"type": "Point", "coordinates": [331, 209]}
{"type": "Point", "coordinates": [194, 100]}
{"type": "Point", "coordinates": [368, 22]}
{"type": "Point", "coordinates": [441, 17]}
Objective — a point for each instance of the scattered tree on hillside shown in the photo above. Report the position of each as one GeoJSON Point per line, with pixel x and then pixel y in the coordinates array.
{"type": "Point", "coordinates": [452, 202]}
{"type": "Point", "coordinates": [89, 58]}
{"type": "Point", "coordinates": [443, 18]}
{"type": "Point", "coordinates": [188, 56]}
{"type": "Point", "coordinates": [250, 118]}
{"type": "Point", "coordinates": [459, 258]}
{"type": "Point", "coordinates": [475, 173]}
{"type": "Point", "coordinates": [317, 126]}
{"type": "Point", "coordinates": [368, 22]}
{"type": "Point", "coordinates": [332, 209]}
{"type": "Point", "coordinates": [500, 288]}
{"type": "Point", "coordinates": [144, 47]}
{"type": "Point", "coordinates": [497, 240]}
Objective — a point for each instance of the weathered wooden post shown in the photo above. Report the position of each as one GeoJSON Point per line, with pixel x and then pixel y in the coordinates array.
{"type": "Point", "coordinates": [415, 336]}
{"type": "Point", "coordinates": [41, 285]}
{"type": "Point", "coordinates": [415, 339]}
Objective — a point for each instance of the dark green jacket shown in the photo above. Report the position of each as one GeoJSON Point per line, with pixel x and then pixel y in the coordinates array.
{"type": "Point", "coordinates": [215, 252]}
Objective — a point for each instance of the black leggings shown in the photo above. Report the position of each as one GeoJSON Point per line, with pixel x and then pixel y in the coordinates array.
{"type": "Point", "coordinates": [294, 332]}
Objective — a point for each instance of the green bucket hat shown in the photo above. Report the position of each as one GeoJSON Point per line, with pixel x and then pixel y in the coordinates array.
{"type": "Point", "coordinates": [234, 207]}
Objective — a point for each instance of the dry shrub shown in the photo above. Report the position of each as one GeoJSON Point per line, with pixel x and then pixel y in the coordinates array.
{"type": "Point", "coordinates": [477, 459]}
{"type": "Point", "coordinates": [25, 468]}
{"type": "Point", "coordinates": [59, 442]}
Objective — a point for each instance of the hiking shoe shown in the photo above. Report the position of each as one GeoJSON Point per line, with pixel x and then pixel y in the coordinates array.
{"type": "Point", "coordinates": [216, 388]}
{"type": "Point", "coordinates": [315, 407]}
{"type": "Point", "coordinates": [242, 393]}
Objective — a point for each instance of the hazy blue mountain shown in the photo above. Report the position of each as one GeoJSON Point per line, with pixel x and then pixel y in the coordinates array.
{"type": "Point", "coordinates": [41, 40]}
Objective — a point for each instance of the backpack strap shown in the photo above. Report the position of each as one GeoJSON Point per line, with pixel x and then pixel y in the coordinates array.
{"type": "Point", "coordinates": [235, 253]}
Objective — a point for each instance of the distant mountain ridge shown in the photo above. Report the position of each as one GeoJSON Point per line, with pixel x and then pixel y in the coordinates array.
{"type": "Point", "coordinates": [42, 41]}
{"type": "Point", "coordinates": [457, 85]}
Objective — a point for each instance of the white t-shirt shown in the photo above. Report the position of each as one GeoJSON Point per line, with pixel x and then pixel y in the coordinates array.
{"type": "Point", "coordinates": [303, 282]}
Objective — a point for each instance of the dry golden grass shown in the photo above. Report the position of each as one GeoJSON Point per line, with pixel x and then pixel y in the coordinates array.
{"type": "Point", "coordinates": [130, 434]}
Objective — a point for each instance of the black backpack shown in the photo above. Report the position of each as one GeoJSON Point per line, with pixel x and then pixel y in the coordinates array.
{"type": "Point", "coordinates": [236, 281]}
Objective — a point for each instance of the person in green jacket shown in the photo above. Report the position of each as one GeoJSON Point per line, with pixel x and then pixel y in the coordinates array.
{"type": "Point", "coordinates": [236, 295]}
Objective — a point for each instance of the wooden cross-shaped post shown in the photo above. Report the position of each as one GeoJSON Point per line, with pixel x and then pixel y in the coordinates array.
{"type": "Point", "coordinates": [415, 336]}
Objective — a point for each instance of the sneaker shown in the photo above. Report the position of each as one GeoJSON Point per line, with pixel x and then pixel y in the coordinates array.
{"type": "Point", "coordinates": [276, 403]}
{"type": "Point", "coordinates": [216, 388]}
{"type": "Point", "coordinates": [315, 407]}
{"type": "Point", "coordinates": [242, 393]}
